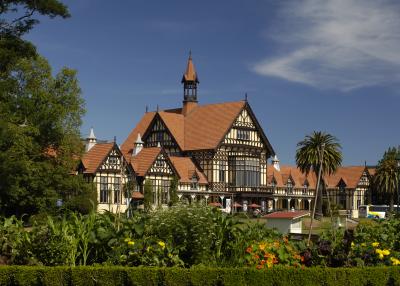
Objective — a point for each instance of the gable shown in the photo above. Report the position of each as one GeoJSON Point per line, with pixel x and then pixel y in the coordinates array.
{"type": "Point", "coordinates": [158, 133]}
{"type": "Point", "coordinates": [112, 162]}
{"type": "Point", "coordinates": [244, 131]}
{"type": "Point", "coordinates": [161, 165]}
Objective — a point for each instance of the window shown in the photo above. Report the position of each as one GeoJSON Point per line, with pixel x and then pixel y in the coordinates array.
{"type": "Point", "coordinates": [289, 187]}
{"type": "Point", "coordinates": [244, 172]}
{"type": "Point", "coordinates": [165, 191]}
{"type": "Point", "coordinates": [159, 163]}
{"type": "Point", "coordinates": [112, 160]}
{"type": "Point", "coordinates": [103, 190]}
{"type": "Point", "coordinates": [243, 134]}
{"type": "Point", "coordinates": [194, 185]}
{"type": "Point", "coordinates": [221, 172]}
{"type": "Point", "coordinates": [117, 191]}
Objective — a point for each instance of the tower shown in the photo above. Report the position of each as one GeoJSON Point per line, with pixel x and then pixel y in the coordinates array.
{"type": "Point", "coordinates": [190, 81]}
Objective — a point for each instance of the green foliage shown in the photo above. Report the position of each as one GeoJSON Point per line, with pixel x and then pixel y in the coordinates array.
{"type": "Point", "coordinates": [87, 276]}
{"type": "Point", "coordinates": [18, 18]}
{"type": "Point", "coordinates": [148, 195]}
{"type": "Point", "coordinates": [387, 177]}
{"type": "Point", "coordinates": [173, 191]}
{"type": "Point", "coordinates": [309, 155]}
{"type": "Point", "coordinates": [39, 139]}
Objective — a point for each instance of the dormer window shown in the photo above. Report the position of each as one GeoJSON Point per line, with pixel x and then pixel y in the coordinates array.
{"type": "Point", "coordinates": [289, 187]}
{"type": "Point", "coordinates": [194, 185]}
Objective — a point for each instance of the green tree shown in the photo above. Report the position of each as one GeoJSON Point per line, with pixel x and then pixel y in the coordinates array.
{"type": "Point", "coordinates": [308, 156]}
{"type": "Point", "coordinates": [39, 138]}
{"type": "Point", "coordinates": [18, 17]}
{"type": "Point", "coordinates": [148, 195]}
{"type": "Point", "coordinates": [386, 179]}
{"type": "Point", "coordinates": [173, 191]}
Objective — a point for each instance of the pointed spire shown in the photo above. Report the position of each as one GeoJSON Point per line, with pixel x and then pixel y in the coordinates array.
{"type": "Point", "coordinates": [190, 73]}
{"type": "Point", "coordinates": [275, 163]}
{"type": "Point", "coordinates": [91, 134]}
{"type": "Point", "coordinates": [138, 146]}
{"type": "Point", "coordinates": [90, 140]}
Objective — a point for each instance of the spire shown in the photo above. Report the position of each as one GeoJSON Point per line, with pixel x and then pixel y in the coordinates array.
{"type": "Point", "coordinates": [275, 163]}
{"type": "Point", "coordinates": [138, 145]}
{"type": "Point", "coordinates": [190, 81]}
{"type": "Point", "coordinates": [90, 140]}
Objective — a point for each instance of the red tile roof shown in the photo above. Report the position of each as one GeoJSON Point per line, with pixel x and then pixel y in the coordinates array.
{"type": "Point", "coordinates": [95, 156]}
{"type": "Point", "coordinates": [203, 128]}
{"type": "Point", "coordinates": [288, 215]}
{"type": "Point", "coordinates": [186, 168]}
{"type": "Point", "coordinates": [142, 162]}
{"type": "Point", "coordinates": [350, 176]}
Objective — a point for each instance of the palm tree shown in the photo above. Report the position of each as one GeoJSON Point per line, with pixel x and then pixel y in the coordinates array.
{"type": "Point", "coordinates": [309, 156]}
{"type": "Point", "coordinates": [387, 178]}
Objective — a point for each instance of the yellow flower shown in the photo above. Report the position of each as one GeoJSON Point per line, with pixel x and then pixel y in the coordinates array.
{"type": "Point", "coordinates": [375, 244]}
{"type": "Point", "coordinates": [162, 244]}
{"type": "Point", "coordinates": [131, 242]}
{"type": "Point", "coordinates": [395, 261]}
{"type": "Point", "coordinates": [352, 244]}
{"type": "Point", "coordinates": [363, 244]}
{"type": "Point", "coordinates": [381, 253]}
{"type": "Point", "coordinates": [262, 246]}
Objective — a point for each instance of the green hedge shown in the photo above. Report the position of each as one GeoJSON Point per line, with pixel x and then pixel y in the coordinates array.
{"type": "Point", "coordinates": [86, 276]}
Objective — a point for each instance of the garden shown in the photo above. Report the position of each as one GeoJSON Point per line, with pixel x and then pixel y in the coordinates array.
{"type": "Point", "coordinates": [184, 241]}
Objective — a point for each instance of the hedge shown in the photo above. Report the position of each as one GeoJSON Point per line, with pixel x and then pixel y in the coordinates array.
{"type": "Point", "coordinates": [86, 276]}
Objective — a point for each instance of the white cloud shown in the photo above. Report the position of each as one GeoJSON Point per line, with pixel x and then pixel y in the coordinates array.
{"type": "Point", "coordinates": [341, 44]}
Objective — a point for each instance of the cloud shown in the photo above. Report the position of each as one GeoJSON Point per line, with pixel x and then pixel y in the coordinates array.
{"type": "Point", "coordinates": [340, 44]}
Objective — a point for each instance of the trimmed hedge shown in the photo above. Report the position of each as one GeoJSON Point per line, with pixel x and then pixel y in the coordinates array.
{"type": "Point", "coordinates": [86, 276]}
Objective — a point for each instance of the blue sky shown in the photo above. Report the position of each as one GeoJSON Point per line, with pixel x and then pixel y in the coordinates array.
{"type": "Point", "coordinates": [330, 65]}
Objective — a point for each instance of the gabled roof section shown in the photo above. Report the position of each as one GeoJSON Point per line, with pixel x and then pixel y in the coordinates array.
{"type": "Point", "coordinates": [92, 160]}
{"type": "Point", "coordinates": [143, 161]}
{"type": "Point", "coordinates": [351, 176]}
{"type": "Point", "coordinates": [299, 178]}
{"type": "Point", "coordinates": [141, 128]}
{"type": "Point", "coordinates": [186, 169]}
{"type": "Point", "coordinates": [259, 128]}
{"type": "Point", "coordinates": [206, 126]}
{"type": "Point", "coordinates": [175, 124]}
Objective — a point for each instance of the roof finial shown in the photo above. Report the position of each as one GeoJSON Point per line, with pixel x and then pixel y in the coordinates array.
{"type": "Point", "coordinates": [147, 108]}
{"type": "Point", "coordinates": [190, 53]}
{"type": "Point", "coordinates": [245, 97]}
{"type": "Point", "coordinates": [158, 108]}
{"type": "Point", "coordinates": [115, 139]}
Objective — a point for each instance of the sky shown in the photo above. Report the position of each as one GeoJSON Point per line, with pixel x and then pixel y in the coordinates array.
{"type": "Point", "coordinates": [325, 65]}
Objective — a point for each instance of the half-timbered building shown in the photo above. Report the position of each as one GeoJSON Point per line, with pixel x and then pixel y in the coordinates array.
{"type": "Point", "coordinates": [220, 149]}
{"type": "Point", "coordinates": [217, 152]}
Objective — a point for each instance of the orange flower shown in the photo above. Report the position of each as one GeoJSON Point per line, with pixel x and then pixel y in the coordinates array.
{"type": "Point", "coordinates": [259, 266]}
{"type": "Point", "coordinates": [285, 240]}
{"type": "Point", "coordinates": [256, 256]}
{"type": "Point", "coordinates": [249, 249]}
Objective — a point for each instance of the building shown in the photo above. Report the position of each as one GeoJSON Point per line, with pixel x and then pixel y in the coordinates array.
{"type": "Point", "coordinates": [217, 152]}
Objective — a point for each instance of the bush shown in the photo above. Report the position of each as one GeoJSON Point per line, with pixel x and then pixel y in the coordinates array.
{"type": "Point", "coordinates": [22, 275]}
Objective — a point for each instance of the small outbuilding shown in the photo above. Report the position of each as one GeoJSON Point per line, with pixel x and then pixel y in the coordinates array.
{"type": "Point", "coordinates": [286, 222]}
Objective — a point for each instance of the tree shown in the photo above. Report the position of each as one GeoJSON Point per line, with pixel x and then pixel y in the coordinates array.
{"type": "Point", "coordinates": [18, 17]}
{"type": "Point", "coordinates": [148, 195]}
{"type": "Point", "coordinates": [39, 138]}
{"type": "Point", "coordinates": [173, 188]}
{"type": "Point", "coordinates": [309, 155]}
{"type": "Point", "coordinates": [386, 179]}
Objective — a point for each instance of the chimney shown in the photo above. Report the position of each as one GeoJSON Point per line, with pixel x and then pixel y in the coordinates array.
{"type": "Point", "coordinates": [138, 146]}
{"type": "Point", "coordinates": [90, 141]}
